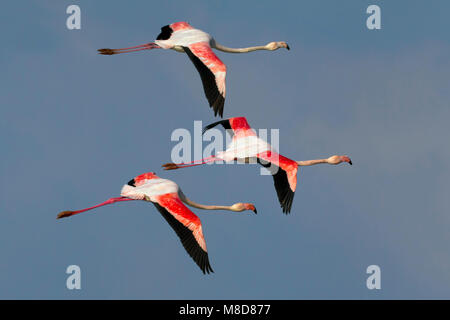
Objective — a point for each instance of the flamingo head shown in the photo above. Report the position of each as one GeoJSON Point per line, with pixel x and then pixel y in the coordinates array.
{"type": "Point", "coordinates": [142, 178]}
{"type": "Point", "coordinates": [277, 45]}
{"type": "Point", "coordinates": [238, 207]}
{"type": "Point", "coordinates": [339, 159]}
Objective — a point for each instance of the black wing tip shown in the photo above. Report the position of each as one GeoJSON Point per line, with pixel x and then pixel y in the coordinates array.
{"type": "Point", "coordinates": [209, 126]}
{"type": "Point", "coordinates": [207, 269]}
{"type": "Point", "coordinates": [203, 263]}
{"type": "Point", "coordinates": [218, 106]}
{"type": "Point", "coordinates": [202, 260]}
{"type": "Point", "coordinates": [286, 204]}
{"type": "Point", "coordinates": [286, 211]}
{"type": "Point", "coordinates": [224, 123]}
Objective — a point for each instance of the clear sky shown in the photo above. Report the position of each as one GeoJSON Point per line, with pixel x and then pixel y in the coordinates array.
{"type": "Point", "coordinates": [75, 126]}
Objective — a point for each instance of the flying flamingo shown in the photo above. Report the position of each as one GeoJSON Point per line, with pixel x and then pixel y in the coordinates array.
{"type": "Point", "coordinates": [197, 44]}
{"type": "Point", "coordinates": [246, 146]}
{"type": "Point", "coordinates": [168, 199]}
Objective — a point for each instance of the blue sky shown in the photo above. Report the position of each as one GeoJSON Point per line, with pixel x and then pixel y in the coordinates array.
{"type": "Point", "coordinates": [75, 126]}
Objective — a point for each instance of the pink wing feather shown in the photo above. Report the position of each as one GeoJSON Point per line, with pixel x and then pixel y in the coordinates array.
{"type": "Point", "coordinates": [187, 226]}
{"type": "Point", "coordinates": [212, 72]}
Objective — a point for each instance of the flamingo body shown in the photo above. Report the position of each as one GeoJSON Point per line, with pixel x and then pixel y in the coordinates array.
{"type": "Point", "coordinates": [150, 187]}
{"type": "Point", "coordinates": [248, 146]}
{"type": "Point", "coordinates": [182, 35]}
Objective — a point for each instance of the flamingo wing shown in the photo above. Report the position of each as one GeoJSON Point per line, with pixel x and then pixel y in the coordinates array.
{"type": "Point", "coordinates": [281, 183]}
{"type": "Point", "coordinates": [187, 226]}
{"type": "Point", "coordinates": [212, 72]}
{"type": "Point", "coordinates": [165, 33]}
{"type": "Point", "coordinates": [225, 124]}
{"type": "Point", "coordinates": [284, 173]}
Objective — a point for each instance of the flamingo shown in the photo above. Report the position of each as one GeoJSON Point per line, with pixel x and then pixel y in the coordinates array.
{"type": "Point", "coordinates": [168, 200]}
{"type": "Point", "coordinates": [197, 44]}
{"type": "Point", "coordinates": [246, 146]}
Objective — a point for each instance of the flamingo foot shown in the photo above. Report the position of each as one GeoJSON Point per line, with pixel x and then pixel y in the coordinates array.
{"type": "Point", "coordinates": [64, 214]}
{"type": "Point", "coordinates": [170, 166]}
{"type": "Point", "coordinates": [106, 51]}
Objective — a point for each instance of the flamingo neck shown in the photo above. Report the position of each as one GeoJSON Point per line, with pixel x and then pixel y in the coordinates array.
{"type": "Point", "coordinates": [311, 162]}
{"type": "Point", "coordinates": [239, 50]}
{"type": "Point", "coordinates": [201, 206]}
{"type": "Point", "coordinates": [213, 207]}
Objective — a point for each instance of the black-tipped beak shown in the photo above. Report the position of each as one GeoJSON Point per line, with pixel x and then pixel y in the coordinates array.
{"type": "Point", "coordinates": [287, 47]}
{"type": "Point", "coordinates": [350, 162]}
{"type": "Point", "coordinates": [255, 211]}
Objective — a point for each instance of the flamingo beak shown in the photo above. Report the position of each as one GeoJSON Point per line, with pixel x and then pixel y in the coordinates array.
{"type": "Point", "coordinates": [250, 207]}
{"type": "Point", "coordinates": [287, 47]}
{"type": "Point", "coordinates": [346, 159]}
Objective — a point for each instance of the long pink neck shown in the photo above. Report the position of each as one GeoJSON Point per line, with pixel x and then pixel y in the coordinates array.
{"type": "Point", "coordinates": [64, 214]}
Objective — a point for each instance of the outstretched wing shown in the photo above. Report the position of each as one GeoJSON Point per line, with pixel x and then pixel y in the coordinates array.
{"type": "Point", "coordinates": [281, 183]}
{"type": "Point", "coordinates": [187, 226]}
{"type": "Point", "coordinates": [284, 173]}
{"type": "Point", "coordinates": [212, 72]}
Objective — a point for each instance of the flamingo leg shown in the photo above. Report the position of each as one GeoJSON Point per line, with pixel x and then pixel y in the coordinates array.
{"type": "Point", "coordinates": [173, 166]}
{"type": "Point", "coordinates": [64, 214]}
{"type": "Point", "coordinates": [147, 46]}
